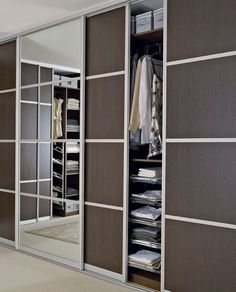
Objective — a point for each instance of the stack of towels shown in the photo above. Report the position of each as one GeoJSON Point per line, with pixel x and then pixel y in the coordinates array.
{"type": "Point", "coordinates": [72, 147]}
{"type": "Point", "coordinates": [72, 166]}
{"type": "Point", "coordinates": [152, 173]}
{"type": "Point", "coordinates": [146, 260]}
{"type": "Point", "coordinates": [73, 104]}
{"type": "Point", "coordinates": [147, 236]}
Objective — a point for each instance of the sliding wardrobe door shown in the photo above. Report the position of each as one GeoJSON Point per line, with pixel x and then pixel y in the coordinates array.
{"type": "Point", "coordinates": [104, 134]}
{"type": "Point", "coordinates": [7, 140]}
{"type": "Point", "coordinates": [200, 234]}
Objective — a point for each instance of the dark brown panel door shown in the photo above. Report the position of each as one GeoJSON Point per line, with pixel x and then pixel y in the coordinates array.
{"type": "Point", "coordinates": [7, 115]}
{"type": "Point", "coordinates": [28, 161]}
{"type": "Point", "coordinates": [7, 216]}
{"type": "Point", "coordinates": [103, 238]}
{"type": "Point", "coordinates": [104, 173]}
{"type": "Point", "coordinates": [105, 42]}
{"type": "Point", "coordinates": [44, 208]}
{"type": "Point", "coordinates": [202, 27]}
{"type": "Point", "coordinates": [199, 258]}
{"type": "Point", "coordinates": [8, 65]}
{"type": "Point", "coordinates": [201, 99]}
{"type": "Point", "coordinates": [29, 74]}
{"type": "Point", "coordinates": [29, 121]}
{"type": "Point", "coordinates": [105, 108]}
{"type": "Point", "coordinates": [28, 208]}
{"type": "Point", "coordinates": [201, 181]}
{"type": "Point", "coordinates": [7, 166]}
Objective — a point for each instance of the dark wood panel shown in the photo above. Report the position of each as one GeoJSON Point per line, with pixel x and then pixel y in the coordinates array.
{"type": "Point", "coordinates": [7, 115]}
{"type": "Point", "coordinates": [46, 94]}
{"type": "Point", "coordinates": [44, 208]}
{"type": "Point", "coordinates": [7, 216]}
{"type": "Point", "coordinates": [201, 99]}
{"type": "Point", "coordinates": [29, 161]}
{"type": "Point", "coordinates": [7, 166]}
{"type": "Point", "coordinates": [45, 122]}
{"type": "Point", "coordinates": [45, 74]}
{"type": "Point", "coordinates": [201, 181]}
{"type": "Point", "coordinates": [29, 121]}
{"type": "Point", "coordinates": [197, 28]}
{"type": "Point", "coordinates": [199, 258]}
{"type": "Point", "coordinates": [29, 188]}
{"type": "Point", "coordinates": [104, 173]}
{"type": "Point", "coordinates": [8, 65]}
{"type": "Point", "coordinates": [45, 161]}
{"type": "Point", "coordinates": [28, 208]}
{"type": "Point", "coordinates": [30, 94]}
{"type": "Point", "coordinates": [105, 108]}
{"type": "Point", "coordinates": [45, 188]}
{"type": "Point", "coordinates": [29, 74]}
{"type": "Point", "coordinates": [103, 238]}
{"type": "Point", "coordinates": [106, 42]}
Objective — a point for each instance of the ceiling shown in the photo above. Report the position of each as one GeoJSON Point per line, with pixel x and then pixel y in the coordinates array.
{"type": "Point", "coordinates": [18, 15]}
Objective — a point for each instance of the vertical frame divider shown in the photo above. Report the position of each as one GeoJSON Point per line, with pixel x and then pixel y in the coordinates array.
{"type": "Point", "coordinates": [82, 139]}
{"type": "Point", "coordinates": [17, 142]}
{"type": "Point", "coordinates": [126, 145]}
{"type": "Point", "coordinates": [38, 143]}
{"type": "Point", "coordinates": [164, 148]}
{"type": "Point", "coordinates": [51, 146]}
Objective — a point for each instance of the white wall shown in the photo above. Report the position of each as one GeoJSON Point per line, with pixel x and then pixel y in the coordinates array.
{"type": "Point", "coordinates": [57, 46]}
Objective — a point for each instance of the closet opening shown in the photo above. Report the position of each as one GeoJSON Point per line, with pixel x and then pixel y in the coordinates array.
{"type": "Point", "coordinates": [145, 144]}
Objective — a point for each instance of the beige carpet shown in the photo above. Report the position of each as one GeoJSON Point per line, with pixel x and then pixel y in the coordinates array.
{"type": "Point", "coordinates": [22, 273]}
{"type": "Point", "coordinates": [68, 232]}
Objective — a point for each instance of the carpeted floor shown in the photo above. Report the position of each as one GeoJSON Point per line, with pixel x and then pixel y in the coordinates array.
{"type": "Point", "coordinates": [23, 273]}
{"type": "Point", "coordinates": [67, 232]}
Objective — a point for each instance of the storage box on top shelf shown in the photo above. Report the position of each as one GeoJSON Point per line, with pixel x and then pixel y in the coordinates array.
{"type": "Point", "coordinates": [144, 22]}
{"type": "Point", "coordinates": [158, 16]}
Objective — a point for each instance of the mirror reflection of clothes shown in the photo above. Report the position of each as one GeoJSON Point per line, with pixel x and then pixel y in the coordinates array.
{"type": "Point", "coordinates": [155, 145]}
{"type": "Point", "coordinates": [57, 120]}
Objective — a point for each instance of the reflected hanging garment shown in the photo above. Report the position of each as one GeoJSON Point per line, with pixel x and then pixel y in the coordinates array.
{"type": "Point", "coordinates": [145, 98]}
{"type": "Point", "coordinates": [57, 120]}
{"type": "Point", "coordinates": [155, 146]}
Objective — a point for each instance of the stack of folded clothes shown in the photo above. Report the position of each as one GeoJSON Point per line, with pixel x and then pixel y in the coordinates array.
{"type": "Point", "coordinates": [152, 197]}
{"type": "Point", "coordinates": [147, 236]}
{"type": "Point", "coordinates": [72, 125]}
{"type": "Point", "coordinates": [146, 215]}
{"type": "Point", "coordinates": [73, 104]}
{"type": "Point", "coordinates": [72, 166]}
{"type": "Point", "coordinates": [146, 260]}
{"type": "Point", "coordinates": [72, 191]}
{"type": "Point", "coordinates": [148, 175]}
{"type": "Point", "coordinates": [72, 147]}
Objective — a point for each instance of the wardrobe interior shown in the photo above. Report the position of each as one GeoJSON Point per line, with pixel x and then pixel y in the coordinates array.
{"type": "Point", "coordinates": [50, 141]}
{"type": "Point", "coordinates": [145, 144]}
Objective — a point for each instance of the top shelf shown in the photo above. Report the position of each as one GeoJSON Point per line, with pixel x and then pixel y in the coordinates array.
{"type": "Point", "coordinates": [152, 36]}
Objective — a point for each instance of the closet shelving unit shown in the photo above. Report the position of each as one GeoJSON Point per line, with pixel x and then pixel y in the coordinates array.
{"type": "Point", "coordinates": [70, 179]}
{"type": "Point", "coordinates": [138, 159]}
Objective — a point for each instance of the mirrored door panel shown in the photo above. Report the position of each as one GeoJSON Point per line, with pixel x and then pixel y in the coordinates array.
{"type": "Point", "coordinates": [50, 142]}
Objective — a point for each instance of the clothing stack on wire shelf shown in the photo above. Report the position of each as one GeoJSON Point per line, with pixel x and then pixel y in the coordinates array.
{"type": "Point", "coordinates": [145, 128]}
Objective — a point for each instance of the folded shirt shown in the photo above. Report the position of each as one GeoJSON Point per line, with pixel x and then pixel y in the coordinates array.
{"type": "Point", "coordinates": [152, 195]}
{"type": "Point", "coordinates": [147, 212]}
{"type": "Point", "coordinates": [145, 257]}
